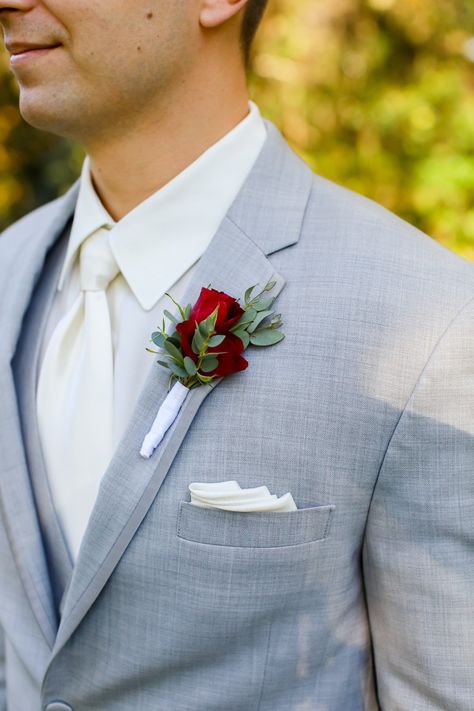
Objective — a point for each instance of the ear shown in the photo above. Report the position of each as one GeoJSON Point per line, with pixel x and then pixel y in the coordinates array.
{"type": "Point", "coordinates": [215, 12]}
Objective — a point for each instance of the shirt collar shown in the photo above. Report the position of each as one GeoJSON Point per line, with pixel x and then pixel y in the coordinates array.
{"type": "Point", "coordinates": [173, 226]}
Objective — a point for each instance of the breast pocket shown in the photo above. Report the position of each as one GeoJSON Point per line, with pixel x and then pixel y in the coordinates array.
{"type": "Point", "coordinates": [242, 566]}
{"type": "Point", "coordinates": [253, 529]}
{"type": "Point", "coordinates": [240, 573]}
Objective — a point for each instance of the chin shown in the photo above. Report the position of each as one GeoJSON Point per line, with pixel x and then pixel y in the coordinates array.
{"type": "Point", "coordinates": [45, 113]}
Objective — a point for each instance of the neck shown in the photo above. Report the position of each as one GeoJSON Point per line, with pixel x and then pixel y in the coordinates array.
{"type": "Point", "coordinates": [128, 168]}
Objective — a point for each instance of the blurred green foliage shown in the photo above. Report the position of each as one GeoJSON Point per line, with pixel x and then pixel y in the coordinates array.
{"type": "Point", "coordinates": [34, 166]}
{"type": "Point", "coordinates": [377, 95]}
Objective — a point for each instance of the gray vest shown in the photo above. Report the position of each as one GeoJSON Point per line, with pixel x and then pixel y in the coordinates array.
{"type": "Point", "coordinates": [25, 370]}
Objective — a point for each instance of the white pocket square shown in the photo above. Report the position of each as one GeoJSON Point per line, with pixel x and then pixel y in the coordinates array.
{"type": "Point", "coordinates": [228, 495]}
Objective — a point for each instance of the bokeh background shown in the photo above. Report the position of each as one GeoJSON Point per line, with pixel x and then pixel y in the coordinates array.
{"type": "Point", "coordinates": [377, 95]}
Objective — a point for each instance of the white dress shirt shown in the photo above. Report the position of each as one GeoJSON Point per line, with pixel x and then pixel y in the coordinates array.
{"type": "Point", "coordinates": [156, 245]}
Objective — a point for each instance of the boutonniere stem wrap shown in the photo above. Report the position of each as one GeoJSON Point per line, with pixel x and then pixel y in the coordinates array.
{"type": "Point", "coordinates": [207, 344]}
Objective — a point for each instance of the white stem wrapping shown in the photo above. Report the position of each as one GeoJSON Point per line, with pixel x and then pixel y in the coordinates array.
{"type": "Point", "coordinates": [165, 417]}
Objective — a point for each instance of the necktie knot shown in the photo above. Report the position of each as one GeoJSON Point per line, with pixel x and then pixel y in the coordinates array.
{"type": "Point", "coordinates": [97, 262]}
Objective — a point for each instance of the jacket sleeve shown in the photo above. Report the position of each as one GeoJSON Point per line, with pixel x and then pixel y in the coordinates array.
{"type": "Point", "coordinates": [418, 552]}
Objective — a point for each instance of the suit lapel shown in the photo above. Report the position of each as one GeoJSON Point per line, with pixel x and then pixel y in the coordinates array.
{"type": "Point", "coordinates": [265, 217]}
{"type": "Point", "coordinates": [16, 498]}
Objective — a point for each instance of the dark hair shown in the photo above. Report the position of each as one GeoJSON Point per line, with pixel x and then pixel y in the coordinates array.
{"type": "Point", "coordinates": [253, 13]}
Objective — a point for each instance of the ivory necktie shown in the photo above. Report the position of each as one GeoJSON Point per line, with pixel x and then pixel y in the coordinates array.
{"type": "Point", "coordinates": [75, 391]}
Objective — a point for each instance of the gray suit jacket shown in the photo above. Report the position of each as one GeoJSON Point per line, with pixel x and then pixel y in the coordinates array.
{"type": "Point", "coordinates": [360, 600]}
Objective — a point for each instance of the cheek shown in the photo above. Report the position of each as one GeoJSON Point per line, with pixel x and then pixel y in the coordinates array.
{"type": "Point", "coordinates": [93, 30]}
{"type": "Point", "coordinates": [114, 50]}
{"type": "Point", "coordinates": [111, 51]}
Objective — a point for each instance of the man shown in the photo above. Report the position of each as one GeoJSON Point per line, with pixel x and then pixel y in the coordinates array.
{"type": "Point", "coordinates": [117, 591]}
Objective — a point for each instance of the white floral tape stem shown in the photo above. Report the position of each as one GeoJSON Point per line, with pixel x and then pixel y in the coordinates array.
{"type": "Point", "coordinates": [165, 417]}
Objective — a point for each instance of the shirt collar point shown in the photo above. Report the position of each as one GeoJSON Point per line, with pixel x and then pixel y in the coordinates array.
{"type": "Point", "coordinates": [146, 302]}
{"type": "Point", "coordinates": [145, 298]}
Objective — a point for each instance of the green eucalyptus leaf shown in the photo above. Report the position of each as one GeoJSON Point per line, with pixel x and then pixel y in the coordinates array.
{"type": "Point", "coordinates": [245, 319]}
{"type": "Point", "coordinates": [190, 366]}
{"type": "Point", "coordinates": [175, 341]}
{"type": "Point", "coordinates": [213, 354]}
{"type": "Point", "coordinates": [216, 341]}
{"type": "Point", "coordinates": [211, 320]}
{"type": "Point", "coordinates": [264, 304]}
{"type": "Point", "coordinates": [257, 320]}
{"type": "Point", "coordinates": [266, 337]}
{"type": "Point", "coordinates": [158, 339]}
{"type": "Point", "coordinates": [248, 293]}
{"type": "Point", "coordinates": [198, 341]}
{"type": "Point", "coordinates": [170, 316]}
{"type": "Point", "coordinates": [209, 364]}
{"type": "Point", "coordinates": [187, 312]}
{"type": "Point", "coordinates": [269, 286]}
{"type": "Point", "coordinates": [178, 361]}
{"type": "Point", "coordinates": [204, 329]}
{"type": "Point", "coordinates": [177, 370]}
{"type": "Point", "coordinates": [249, 315]}
{"type": "Point", "coordinates": [172, 350]}
{"type": "Point", "coordinates": [244, 337]}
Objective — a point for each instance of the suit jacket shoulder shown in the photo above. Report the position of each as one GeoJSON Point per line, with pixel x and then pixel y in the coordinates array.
{"type": "Point", "coordinates": [16, 236]}
{"type": "Point", "coordinates": [34, 232]}
{"type": "Point", "coordinates": [380, 253]}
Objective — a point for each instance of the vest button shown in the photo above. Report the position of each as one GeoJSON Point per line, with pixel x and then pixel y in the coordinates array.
{"type": "Point", "coordinates": [58, 706]}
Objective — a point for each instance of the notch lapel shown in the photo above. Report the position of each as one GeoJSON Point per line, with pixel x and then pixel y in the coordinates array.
{"type": "Point", "coordinates": [16, 498]}
{"type": "Point", "coordinates": [265, 217]}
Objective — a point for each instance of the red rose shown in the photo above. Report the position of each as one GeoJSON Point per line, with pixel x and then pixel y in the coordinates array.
{"type": "Point", "coordinates": [229, 309]}
{"type": "Point", "coordinates": [230, 360]}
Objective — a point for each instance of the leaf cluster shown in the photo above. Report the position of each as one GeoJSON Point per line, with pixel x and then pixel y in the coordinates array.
{"type": "Point", "coordinates": [259, 325]}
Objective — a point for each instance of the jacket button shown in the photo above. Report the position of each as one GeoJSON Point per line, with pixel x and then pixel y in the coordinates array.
{"type": "Point", "coordinates": [58, 706]}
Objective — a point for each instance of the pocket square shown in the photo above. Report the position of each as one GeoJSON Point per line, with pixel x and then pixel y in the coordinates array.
{"type": "Point", "coordinates": [228, 495]}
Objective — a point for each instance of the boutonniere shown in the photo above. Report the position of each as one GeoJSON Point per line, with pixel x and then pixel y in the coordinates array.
{"type": "Point", "coordinates": [207, 344]}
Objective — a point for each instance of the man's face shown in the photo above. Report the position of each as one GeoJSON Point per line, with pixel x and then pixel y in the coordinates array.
{"type": "Point", "coordinates": [108, 60]}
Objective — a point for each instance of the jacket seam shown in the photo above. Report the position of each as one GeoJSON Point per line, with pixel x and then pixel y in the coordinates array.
{"type": "Point", "coordinates": [410, 396]}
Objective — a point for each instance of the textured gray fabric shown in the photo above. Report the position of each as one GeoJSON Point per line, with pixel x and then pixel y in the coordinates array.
{"type": "Point", "coordinates": [25, 373]}
{"type": "Point", "coordinates": [362, 599]}
{"type": "Point", "coordinates": [3, 694]}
